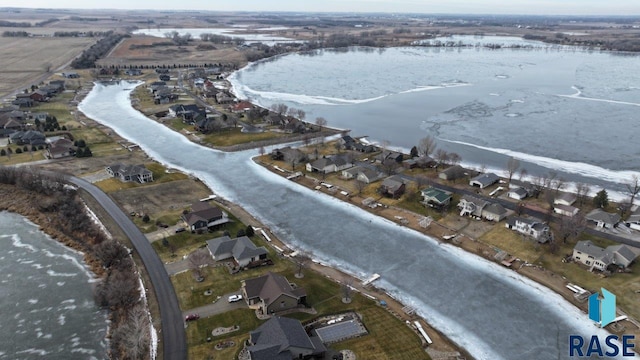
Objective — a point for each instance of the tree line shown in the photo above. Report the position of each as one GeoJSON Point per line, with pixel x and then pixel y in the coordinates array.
{"type": "Point", "coordinates": [89, 57]}
{"type": "Point", "coordinates": [119, 289]}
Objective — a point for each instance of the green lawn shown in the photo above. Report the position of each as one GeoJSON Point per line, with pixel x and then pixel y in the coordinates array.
{"type": "Point", "coordinates": [228, 137]}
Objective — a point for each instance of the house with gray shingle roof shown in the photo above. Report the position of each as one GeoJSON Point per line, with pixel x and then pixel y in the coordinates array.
{"type": "Point", "coordinates": [393, 186]}
{"type": "Point", "coordinates": [203, 216]}
{"type": "Point", "coordinates": [368, 176]}
{"type": "Point", "coordinates": [494, 212]}
{"type": "Point", "coordinates": [241, 250]}
{"type": "Point", "coordinates": [484, 180]}
{"type": "Point", "coordinates": [471, 206]}
{"type": "Point", "coordinates": [531, 227]}
{"type": "Point", "coordinates": [283, 339]}
{"type": "Point", "coordinates": [453, 173]}
{"type": "Point", "coordinates": [128, 173]}
{"type": "Point", "coordinates": [329, 164]}
{"type": "Point", "coordinates": [589, 254]}
{"type": "Point", "coordinates": [272, 293]}
{"type": "Point", "coordinates": [603, 219]}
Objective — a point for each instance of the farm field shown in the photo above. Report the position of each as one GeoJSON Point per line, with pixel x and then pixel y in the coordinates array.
{"type": "Point", "coordinates": [24, 60]}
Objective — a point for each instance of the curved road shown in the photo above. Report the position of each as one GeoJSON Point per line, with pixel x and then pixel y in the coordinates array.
{"type": "Point", "coordinates": [174, 340]}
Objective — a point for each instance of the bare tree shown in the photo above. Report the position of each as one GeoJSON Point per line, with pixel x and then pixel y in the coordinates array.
{"type": "Point", "coordinates": [427, 146]}
{"type": "Point", "coordinates": [422, 181]}
{"type": "Point", "coordinates": [522, 174]}
{"type": "Point", "coordinates": [346, 290]}
{"type": "Point", "coordinates": [110, 252]}
{"type": "Point", "coordinates": [302, 262]}
{"type": "Point", "coordinates": [261, 150]}
{"type": "Point", "coordinates": [441, 157]}
{"type": "Point", "coordinates": [454, 158]}
{"type": "Point", "coordinates": [320, 121]}
{"type": "Point", "coordinates": [294, 157]}
{"type": "Point", "coordinates": [633, 188]}
{"type": "Point", "coordinates": [558, 183]}
{"type": "Point", "coordinates": [582, 192]}
{"type": "Point", "coordinates": [197, 260]}
{"type": "Point", "coordinates": [280, 109]}
{"type": "Point", "coordinates": [134, 335]}
{"type": "Point", "coordinates": [512, 165]}
{"type": "Point", "coordinates": [360, 185]}
{"type": "Point", "coordinates": [571, 227]}
{"type": "Point", "coordinates": [297, 113]}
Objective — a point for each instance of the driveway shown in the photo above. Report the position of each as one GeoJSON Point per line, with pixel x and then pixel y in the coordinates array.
{"type": "Point", "coordinates": [218, 306]}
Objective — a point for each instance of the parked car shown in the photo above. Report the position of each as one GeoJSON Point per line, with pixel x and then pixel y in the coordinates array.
{"type": "Point", "coordinates": [191, 317]}
{"type": "Point", "coordinates": [180, 229]}
{"type": "Point", "coordinates": [234, 298]}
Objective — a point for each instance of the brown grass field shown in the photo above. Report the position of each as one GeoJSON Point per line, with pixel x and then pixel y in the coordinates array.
{"type": "Point", "coordinates": [23, 61]}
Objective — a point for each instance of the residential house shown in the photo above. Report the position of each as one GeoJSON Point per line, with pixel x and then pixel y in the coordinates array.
{"type": "Point", "coordinates": [164, 77]}
{"type": "Point", "coordinates": [484, 180]}
{"type": "Point", "coordinates": [204, 216]}
{"type": "Point", "coordinates": [128, 173]}
{"type": "Point", "coordinates": [154, 86]}
{"type": "Point", "coordinates": [351, 173]}
{"type": "Point", "coordinates": [531, 227]}
{"type": "Point", "coordinates": [224, 98]}
{"type": "Point", "coordinates": [39, 96]}
{"type": "Point", "coordinates": [241, 250]}
{"type": "Point", "coordinates": [133, 72]}
{"type": "Point", "coordinates": [369, 176]}
{"type": "Point", "coordinates": [365, 148]}
{"type": "Point", "coordinates": [29, 137]}
{"type": "Point", "coordinates": [453, 173]}
{"type": "Point", "coordinates": [241, 107]}
{"type": "Point", "coordinates": [471, 206]}
{"type": "Point", "coordinates": [330, 164]}
{"type": "Point", "coordinates": [61, 148]}
{"type": "Point", "coordinates": [347, 142]}
{"type": "Point", "coordinates": [70, 75]}
{"type": "Point", "coordinates": [287, 153]}
{"type": "Point", "coordinates": [633, 221]}
{"type": "Point", "coordinates": [589, 254]}
{"type": "Point", "coordinates": [603, 219]}
{"type": "Point", "coordinates": [275, 119]}
{"type": "Point", "coordinates": [161, 71]}
{"type": "Point", "coordinates": [418, 162]}
{"type": "Point", "coordinates": [272, 293]}
{"type": "Point", "coordinates": [436, 198]}
{"type": "Point", "coordinates": [565, 199]}
{"type": "Point", "coordinates": [283, 339]}
{"type": "Point", "coordinates": [58, 85]}
{"type": "Point", "coordinates": [517, 193]}
{"type": "Point", "coordinates": [393, 186]}
{"type": "Point", "coordinates": [386, 155]}
{"type": "Point", "coordinates": [23, 102]}
{"type": "Point", "coordinates": [494, 212]}
{"type": "Point", "coordinates": [565, 210]}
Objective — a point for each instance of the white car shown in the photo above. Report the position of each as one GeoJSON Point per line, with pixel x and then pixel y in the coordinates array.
{"type": "Point", "coordinates": [234, 298]}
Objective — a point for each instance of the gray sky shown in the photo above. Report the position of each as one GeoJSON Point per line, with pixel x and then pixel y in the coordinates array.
{"type": "Point", "coordinates": [539, 7]}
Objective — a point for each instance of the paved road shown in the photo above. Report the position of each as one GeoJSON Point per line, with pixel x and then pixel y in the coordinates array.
{"type": "Point", "coordinates": [174, 339]}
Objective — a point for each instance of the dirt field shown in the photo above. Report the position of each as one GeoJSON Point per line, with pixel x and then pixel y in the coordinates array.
{"type": "Point", "coordinates": [22, 60]}
{"type": "Point", "coordinates": [123, 54]}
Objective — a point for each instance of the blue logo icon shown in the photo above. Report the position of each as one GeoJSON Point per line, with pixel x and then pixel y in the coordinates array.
{"type": "Point", "coordinates": [602, 311]}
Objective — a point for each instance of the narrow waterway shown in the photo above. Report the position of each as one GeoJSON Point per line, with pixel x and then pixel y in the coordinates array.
{"type": "Point", "coordinates": [492, 312]}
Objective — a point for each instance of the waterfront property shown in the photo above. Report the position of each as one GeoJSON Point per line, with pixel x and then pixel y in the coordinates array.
{"type": "Point", "coordinates": [272, 293]}
{"type": "Point", "coordinates": [393, 186]}
{"type": "Point", "coordinates": [587, 253]}
{"type": "Point", "coordinates": [241, 250]}
{"type": "Point", "coordinates": [435, 197]}
{"type": "Point", "coordinates": [484, 180]}
{"type": "Point", "coordinates": [454, 172]}
{"type": "Point", "coordinates": [204, 216]}
{"type": "Point", "coordinates": [471, 206]}
{"type": "Point", "coordinates": [532, 227]}
{"type": "Point", "coordinates": [283, 339]}
{"type": "Point", "coordinates": [129, 173]}
{"type": "Point", "coordinates": [565, 210]}
{"type": "Point", "coordinates": [330, 164]}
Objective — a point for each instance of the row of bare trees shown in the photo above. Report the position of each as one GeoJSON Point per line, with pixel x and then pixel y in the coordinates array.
{"type": "Point", "coordinates": [119, 290]}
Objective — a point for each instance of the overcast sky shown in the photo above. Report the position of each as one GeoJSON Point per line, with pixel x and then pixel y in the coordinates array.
{"type": "Point", "coordinates": [540, 7]}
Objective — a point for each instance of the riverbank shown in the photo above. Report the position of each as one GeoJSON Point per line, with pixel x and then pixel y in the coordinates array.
{"type": "Point", "coordinates": [463, 233]}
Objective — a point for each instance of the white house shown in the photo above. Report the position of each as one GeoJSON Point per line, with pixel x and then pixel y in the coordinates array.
{"type": "Point", "coordinates": [566, 210]}
{"type": "Point", "coordinates": [530, 227]}
{"type": "Point", "coordinates": [589, 254]}
{"type": "Point", "coordinates": [471, 206]}
{"type": "Point", "coordinates": [565, 199]}
{"type": "Point", "coordinates": [603, 219]}
{"type": "Point", "coordinates": [517, 193]}
{"type": "Point", "coordinates": [484, 180]}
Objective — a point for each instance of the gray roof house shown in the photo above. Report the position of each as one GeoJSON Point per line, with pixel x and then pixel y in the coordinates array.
{"type": "Point", "coordinates": [494, 212]}
{"type": "Point", "coordinates": [368, 176]}
{"type": "Point", "coordinates": [471, 206]}
{"type": "Point", "coordinates": [517, 193]}
{"type": "Point", "coordinates": [351, 173]}
{"type": "Point", "coordinates": [484, 180]}
{"type": "Point", "coordinates": [565, 199]}
{"type": "Point", "coordinates": [393, 186]}
{"type": "Point", "coordinates": [603, 219]}
{"type": "Point", "coordinates": [589, 254]}
{"type": "Point", "coordinates": [329, 164]}
{"type": "Point", "coordinates": [128, 173]}
{"type": "Point", "coordinates": [453, 173]}
{"type": "Point", "coordinates": [283, 339]}
{"type": "Point", "coordinates": [241, 249]}
{"type": "Point", "coordinates": [272, 293]}
{"type": "Point", "coordinates": [566, 210]}
{"type": "Point", "coordinates": [531, 227]}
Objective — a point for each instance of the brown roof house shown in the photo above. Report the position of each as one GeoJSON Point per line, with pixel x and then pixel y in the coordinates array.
{"type": "Point", "coordinates": [283, 339]}
{"type": "Point", "coordinates": [204, 216]}
{"type": "Point", "coordinates": [272, 293]}
{"type": "Point", "coordinates": [61, 148]}
{"type": "Point", "coordinates": [241, 250]}
{"type": "Point", "coordinates": [393, 186]}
